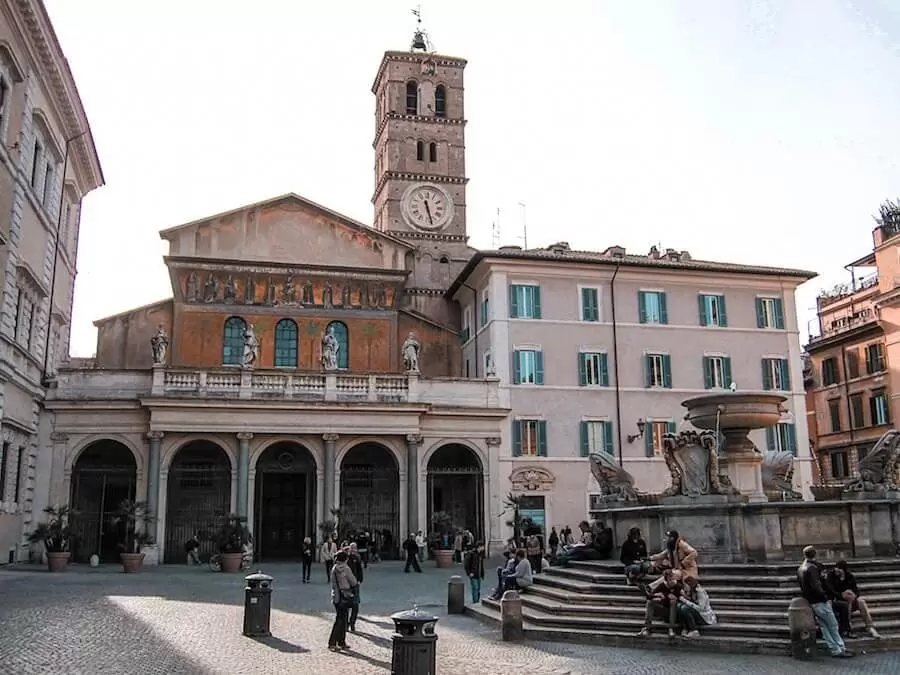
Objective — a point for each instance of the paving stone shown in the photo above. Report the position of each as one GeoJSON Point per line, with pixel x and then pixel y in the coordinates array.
{"type": "Point", "coordinates": [176, 620]}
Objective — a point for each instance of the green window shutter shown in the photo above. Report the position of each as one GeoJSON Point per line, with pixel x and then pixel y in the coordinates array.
{"type": "Point", "coordinates": [701, 302]}
{"type": "Point", "coordinates": [513, 302]}
{"type": "Point", "coordinates": [726, 371]}
{"type": "Point", "coordinates": [517, 367]}
{"type": "Point", "coordinates": [670, 427]}
{"type": "Point", "coordinates": [779, 313]}
{"type": "Point", "coordinates": [707, 373]}
{"type": "Point", "coordinates": [517, 438]}
{"type": "Point", "coordinates": [542, 438]}
{"type": "Point", "coordinates": [766, 375]}
{"type": "Point", "coordinates": [585, 445]}
{"type": "Point", "coordinates": [770, 439]}
{"type": "Point", "coordinates": [760, 314]}
{"type": "Point", "coordinates": [667, 371]}
{"type": "Point", "coordinates": [539, 367]}
{"type": "Point", "coordinates": [604, 370]}
{"type": "Point", "coordinates": [785, 373]}
{"type": "Point", "coordinates": [642, 306]}
{"type": "Point", "coordinates": [791, 439]}
{"type": "Point", "coordinates": [648, 439]}
{"type": "Point", "coordinates": [589, 304]}
{"type": "Point", "coordinates": [648, 375]}
{"type": "Point", "coordinates": [723, 316]}
{"type": "Point", "coordinates": [537, 302]}
{"type": "Point", "coordinates": [663, 311]}
{"type": "Point", "coordinates": [582, 369]}
{"type": "Point", "coordinates": [607, 438]}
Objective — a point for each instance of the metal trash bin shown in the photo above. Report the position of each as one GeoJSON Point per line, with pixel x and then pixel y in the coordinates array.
{"type": "Point", "coordinates": [414, 643]}
{"type": "Point", "coordinates": [257, 605]}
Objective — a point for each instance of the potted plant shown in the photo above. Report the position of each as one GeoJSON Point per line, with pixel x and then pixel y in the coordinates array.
{"type": "Point", "coordinates": [231, 539]}
{"type": "Point", "coordinates": [133, 517]}
{"type": "Point", "coordinates": [55, 535]}
{"type": "Point", "coordinates": [442, 526]}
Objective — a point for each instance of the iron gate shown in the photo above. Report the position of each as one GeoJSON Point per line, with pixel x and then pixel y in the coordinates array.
{"type": "Point", "coordinates": [370, 500]}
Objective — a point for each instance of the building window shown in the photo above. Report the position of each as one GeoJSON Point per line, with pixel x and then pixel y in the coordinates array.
{"type": "Point", "coordinates": [529, 438]}
{"type": "Point", "coordinates": [658, 370]}
{"type": "Point", "coordinates": [488, 363]}
{"type": "Point", "coordinates": [653, 436]}
{"type": "Point", "coordinates": [856, 411]}
{"type": "Point", "coordinates": [596, 437]}
{"type": "Point", "coordinates": [37, 150]}
{"type": "Point", "coordinates": [776, 375]}
{"type": "Point", "coordinates": [485, 308]}
{"type": "Point", "coordinates": [432, 152]}
{"type": "Point", "coordinates": [343, 339]}
{"type": "Point", "coordinates": [829, 371]}
{"type": "Point", "coordinates": [525, 302]}
{"type": "Point", "coordinates": [652, 307]}
{"type": "Point", "coordinates": [834, 413]}
{"type": "Point", "coordinates": [840, 465]}
{"type": "Point", "coordinates": [420, 151]}
{"type": "Point", "coordinates": [286, 344]}
{"type": "Point", "coordinates": [440, 101]}
{"type": "Point", "coordinates": [466, 324]}
{"type": "Point", "coordinates": [716, 372]}
{"type": "Point", "coordinates": [4, 462]}
{"type": "Point", "coordinates": [878, 408]}
{"type": "Point", "coordinates": [233, 341]}
{"type": "Point", "coordinates": [782, 438]}
{"type": "Point", "coordinates": [412, 98]}
{"type": "Point", "coordinates": [769, 313]}
{"type": "Point", "coordinates": [590, 304]}
{"type": "Point", "coordinates": [712, 311]}
{"type": "Point", "coordinates": [874, 359]}
{"type": "Point", "coordinates": [852, 360]}
{"type": "Point", "coordinates": [25, 314]}
{"type": "Point", "coordinates": [4, 97]}
{"type": "Point", "coordinates": [48, 184]}
{"type": "Point", "coordinates": [17, 486]}
{"type": "Point", "coordinates": [593, 369]}
{"type": "Point", "coordinates": [528, 366]}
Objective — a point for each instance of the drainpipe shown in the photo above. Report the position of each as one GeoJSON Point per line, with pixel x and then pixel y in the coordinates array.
{"type": "Point", "coordinates": [612, 306]}
{"type": "Point", "coordinates": [475, 325]}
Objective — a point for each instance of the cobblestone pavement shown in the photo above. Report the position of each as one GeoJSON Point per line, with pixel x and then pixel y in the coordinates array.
{"type": "Point", "coordinates": [173, 620]}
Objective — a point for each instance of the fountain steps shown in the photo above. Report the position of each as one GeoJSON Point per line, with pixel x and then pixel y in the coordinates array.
{"type": "Point", "coordinates": [590, 602]}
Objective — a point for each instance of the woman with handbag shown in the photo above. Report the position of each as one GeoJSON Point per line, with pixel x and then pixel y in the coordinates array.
{"type": "Point", "coordinates": [343, 597]}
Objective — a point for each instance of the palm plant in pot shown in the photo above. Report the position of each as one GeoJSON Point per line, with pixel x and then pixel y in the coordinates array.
{"type": "Point", "coordinates": [232, 537]}
{"type": "Point", "coordinates": [442, 527]}
{"type": "Point", "coordinates": [55, 535]}
{"type": "Point", "coordinates": [132, 518]}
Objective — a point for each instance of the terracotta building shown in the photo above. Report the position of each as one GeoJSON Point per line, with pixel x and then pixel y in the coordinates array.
{"type": "Point", "coordinates": [48, 163]}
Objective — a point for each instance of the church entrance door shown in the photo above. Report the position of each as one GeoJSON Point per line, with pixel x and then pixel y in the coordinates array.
{"type": "Point", "coordinates": [285, 501]}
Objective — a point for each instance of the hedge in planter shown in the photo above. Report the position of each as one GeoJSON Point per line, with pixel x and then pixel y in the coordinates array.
{"type": "Point", "coordinates": [232, 537]}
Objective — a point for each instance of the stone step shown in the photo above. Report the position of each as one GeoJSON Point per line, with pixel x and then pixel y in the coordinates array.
{"type": "Point", "coordinates": [761, 569]}
{"type": "Point", "coordinates": [706, 579]}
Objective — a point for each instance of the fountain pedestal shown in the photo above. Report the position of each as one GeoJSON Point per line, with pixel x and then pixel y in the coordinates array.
{"type": "Point", "coordinates": [741, 462]}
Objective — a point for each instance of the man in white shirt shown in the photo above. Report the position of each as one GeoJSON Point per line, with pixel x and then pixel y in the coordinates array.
{"type": "Point", "coordinates": [420, 542]}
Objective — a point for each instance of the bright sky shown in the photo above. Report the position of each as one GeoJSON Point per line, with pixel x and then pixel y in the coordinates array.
{"type": "Point", "coordinates": [759, 132]}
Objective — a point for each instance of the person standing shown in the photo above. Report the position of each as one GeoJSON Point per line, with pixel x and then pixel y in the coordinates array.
{"type": "Point", "coordinates": [306, 556]}
{"type": "Point", "coordinates": [809, 574]}
{"type": "Point", "coordinates": [356, 566]}
{"type": "Point", "coordinates": [362, 545]}
{"type": "Point", "coordinates": [533, 550]}
{"type": "Point", "coordinates": [342, 597]}
{"type": "Point", "coordinates": [553, 542]}
{"type": "Point", "coordinates": [412, 550]}
{"type": "Point", "coordinates": [329, 550]}
{"type": "Point", "coordinates": [458, 546]}
{"type": "Point", "coordinates": [474, 566]}
{"type": "Point", "coordinates": [420, 542]}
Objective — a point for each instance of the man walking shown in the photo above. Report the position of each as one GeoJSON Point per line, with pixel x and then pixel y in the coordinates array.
{"type": "Point", "coordinates": [812, 589]}
{"type": "Point", "coordinates": [474, 566]}
{"type": "Point", "coordinates": [412, 554]}
{"type": "Point", "coordinates": [356, 566]}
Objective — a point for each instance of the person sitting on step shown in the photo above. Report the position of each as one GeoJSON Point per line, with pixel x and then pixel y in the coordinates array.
{"type": "Point", "coordinates": [508, 567]}
{"type": "Point", "coordinates": [663, 595]}
{"type": "Point", "coordinates": [677, 555]}
{"type": "Point", "coordinates": [192, 548]}
{"type": "Point", "coordinates": [693, 609]}
{"type": "Point", "coordinates": [843, 584]}
{"type": "Point", "coordinates": [521, 576]}
{"type": "Point", "coordinates": [634, 557]}
{"type": "Point", "coordinates": [596, 544]}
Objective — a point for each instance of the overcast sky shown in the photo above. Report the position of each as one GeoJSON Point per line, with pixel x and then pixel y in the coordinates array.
{"type": "Point", "coordinates": [746, 131]}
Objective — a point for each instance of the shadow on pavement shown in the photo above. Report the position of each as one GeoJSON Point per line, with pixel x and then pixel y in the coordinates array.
{"type": "Point", "coordinates": [281, 645]}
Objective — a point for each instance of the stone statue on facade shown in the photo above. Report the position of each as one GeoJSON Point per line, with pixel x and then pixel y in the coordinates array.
{"type": "Point", "coordinates": [616, 484]}
{"type": "Point", "coordinates": [327, 296]}
{"type": "Point", "coordinates": [307, 297]}
{"type": "Point", "coordinates": [211, 289]}
{"type": "Point", "coordinates": [693, 461]}
{"type": "Point", "coordinates": [288, 294]}
{"type": "Point", "coordinates": [345, 295]}
{"type": "Point", "coordinates": [379, 299]}
{"type": "Point", "coordinates": [159, 344]}
{"type": "Point", "coordinates": [778, 476]}
{"type": "Point", "coordinates": [251, 347]}
{"type": "Point", "coordinates": [249, 290]}
{"type": "Point", "coordinates": [330, 349]}
{"type": "Point", "coordinates": [410, 351]}
{"type": "Point", "coordinates": [270, 291]}
{"type": "Point", "coordinates": [192, 292]}
{"type": "Point", "coordinates": [878, 469]}
{"type": "Point", "coordinates": [229, 294]}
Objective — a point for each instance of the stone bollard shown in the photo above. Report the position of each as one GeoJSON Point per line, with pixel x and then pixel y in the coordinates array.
{"type": "Point", "coordinates": [802, 627]}
{"type": "Point", "coordinates": [456, 595]}
{"type": "Point", "coordinates": [511, 628]}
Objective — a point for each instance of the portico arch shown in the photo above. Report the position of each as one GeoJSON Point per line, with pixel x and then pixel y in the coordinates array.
{"type": "Point", "coordinates": [455, 485]}
{"type": "Point", "coordinates": [370, 493]}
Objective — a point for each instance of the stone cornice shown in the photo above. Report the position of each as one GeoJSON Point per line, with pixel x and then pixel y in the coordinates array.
{"type": "Point", "coordinates": [419, 119]}
{"type": "Point", "coordinates": [271, 268]}
{"type": "Point", "coordinates": [417, 178]}
{"type": "Point", "coordinates": [432, 236]}
{"type": "Point", "coordinates": [414, 57]}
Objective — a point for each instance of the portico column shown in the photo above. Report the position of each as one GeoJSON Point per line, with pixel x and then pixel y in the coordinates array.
{"type": "Point", "coordinates": [155, 438]}
{"type": "Point", "coordinates": [243, 472]}
{"type": "Point", "coordinates": [328, 469]}
{"type": "Point", "coordinates": [412, 482]}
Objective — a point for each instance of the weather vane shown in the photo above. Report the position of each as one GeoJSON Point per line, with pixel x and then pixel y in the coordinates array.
{"type": "Point", "coordinates": [420, 41]}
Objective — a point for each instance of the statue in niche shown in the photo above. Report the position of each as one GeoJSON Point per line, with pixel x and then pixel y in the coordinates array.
{"type": "Point", "coordinates": [410, 351]}
{"type": "Point", "coordinates": [270, 292]}
{"type": "Point", "coordinates": [251, 347]}
{"type": "Point", "coordinates": [330, 348]}
{"type": "Point", "coordinates": [249, 290]}
{"type": "Point", "coordinates": [307, 297]}
{"type": "Point", "coordinates": [378, 300]}
{"type": "Point", "coordinates": [693, 461]}
{"type": "Point", "coordinates": [211, 289]}
{"type": "Point", "coordinates": [159, 344]}
{"type": "Point", "coordinates": [778, 476]}
{"type": "Point", "coordinates": [193, 289]}
{"type": "Point", "coordinates": [616, 484]}
{"type": "Point", "coordinates": [345, 295]}
{"type": "Point", "coordinates": [327, 297]}
{"type": "Point", "coordinates": [288, 294]}
{"type": "Point", "coordinates": [878, 469]}
{"type": "Point", "coordinates": [228, 294]}
{"type": "Point", "coordinates": [364, 301]}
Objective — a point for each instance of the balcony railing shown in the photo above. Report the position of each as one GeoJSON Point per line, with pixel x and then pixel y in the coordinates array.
{"type": "Point", "coordinates": [846, 290]}
{"type": "Point", "coordinates": [867, 316]}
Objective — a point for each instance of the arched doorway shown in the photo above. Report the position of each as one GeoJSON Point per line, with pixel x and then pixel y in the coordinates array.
{"type": "Point", "coordinates": [456, 486]}
{"type": "Point", "coordinates": [285, 501]}
{"type": "Point", "coordinates": [198, 495]}
{"type": "Point", "coordinates": [370, 494]}
{"type": "Point", "coordinates": [104, 475]}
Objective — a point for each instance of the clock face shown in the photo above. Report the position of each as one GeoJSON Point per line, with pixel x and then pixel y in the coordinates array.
{"type": "Point", "coordinates": [427, 206]}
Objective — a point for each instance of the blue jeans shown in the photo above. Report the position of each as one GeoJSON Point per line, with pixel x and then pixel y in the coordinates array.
{"type": "Point", "coordinates": [475, 587]}
{"type": "Point", "coordinates": [354, 611]}
{"type": "Point", "coordinates": [828, 624]}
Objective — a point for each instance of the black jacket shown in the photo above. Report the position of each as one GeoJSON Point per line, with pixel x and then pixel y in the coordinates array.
{"type": "Point", "coordinates": [307, 553]}
{"type": "Point", "coordinates": [474, 564]}
{"type": "Point", "coordinates": [811, 587]}
{"type": "Point", "coordinates": [838, 585]}
{"type": "Point", "coordinates": [356, 566]}
{"type": "Point", "coordinates": [633, 551]}
{"type": "Point", "coordinates": [411, 548]}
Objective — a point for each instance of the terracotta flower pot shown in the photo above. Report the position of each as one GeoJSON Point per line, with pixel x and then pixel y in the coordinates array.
{"type": "Point", "coordinates": [132, 562]}
{"type": "Point", "coordinates": [231, 562]}
{"type": "Point", "coordinates": [443, 558]}
{"type": "Point", "coordinates": [58, 561]}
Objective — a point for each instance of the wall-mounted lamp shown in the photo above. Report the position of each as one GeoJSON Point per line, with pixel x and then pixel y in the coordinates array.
{"type": "Point", "coordinates": [640, 425]}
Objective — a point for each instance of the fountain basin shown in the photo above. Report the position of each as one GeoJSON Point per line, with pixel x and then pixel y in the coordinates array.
{"type": "Point", "coordinates": [738, 410]}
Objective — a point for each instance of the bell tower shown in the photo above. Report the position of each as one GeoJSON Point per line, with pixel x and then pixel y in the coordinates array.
{"type": "Point", "coordinates": [420, 168]}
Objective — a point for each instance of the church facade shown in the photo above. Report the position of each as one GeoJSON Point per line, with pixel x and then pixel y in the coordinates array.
{"type": "Point", "coordinates": [305, 362]}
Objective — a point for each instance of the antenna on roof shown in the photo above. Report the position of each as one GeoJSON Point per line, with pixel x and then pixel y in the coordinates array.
{"type": "Point", "coordinates": [495, 234]}
{"type": "Point", "coordinates": [420, 42]}
{"type": "Point", "coordinates": [524, 236]}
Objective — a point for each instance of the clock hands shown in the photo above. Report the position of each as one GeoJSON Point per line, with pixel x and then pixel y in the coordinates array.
{"type": "Point", "coordinates": [428, 212]}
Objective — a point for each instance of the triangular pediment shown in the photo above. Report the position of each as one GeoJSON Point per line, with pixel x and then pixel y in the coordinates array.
{"type": "Point", "coordinates": [286, 229]}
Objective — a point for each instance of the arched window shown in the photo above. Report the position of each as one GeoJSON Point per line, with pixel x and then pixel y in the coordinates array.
{"type": "Point", "coordinates": [285, 344]}
{"type": "Point", "coordinates": [233, 341]}
{"type": "Point", "coordinates": [440, 101]}
{"type": "Point", "coordinates": [343, 340]}
{"type": "Point", "coordinates": [432, 152]}
{"type": "Point", "coordinates": [420, 150]}
{"type": "Point", "coordinates": [412, 98]}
